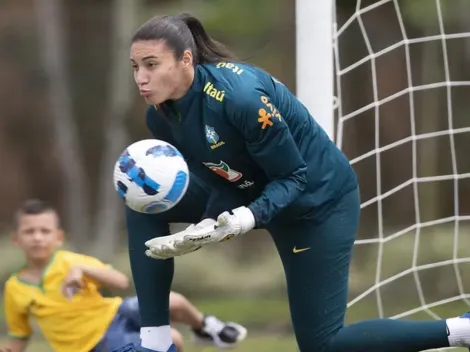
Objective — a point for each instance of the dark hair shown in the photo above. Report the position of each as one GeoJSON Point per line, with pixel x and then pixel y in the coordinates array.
{"type": "Point", "coordinates": [184, 32]}
{"type": "Point", "coordinates": [33, 207]}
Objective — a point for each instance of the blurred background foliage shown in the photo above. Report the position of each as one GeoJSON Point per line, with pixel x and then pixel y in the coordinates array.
{"type": "Point", "coordinates": [68, 107]}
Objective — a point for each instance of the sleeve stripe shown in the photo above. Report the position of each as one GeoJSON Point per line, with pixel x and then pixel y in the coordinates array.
{"type": "Point", "coordinates": [18, 337]}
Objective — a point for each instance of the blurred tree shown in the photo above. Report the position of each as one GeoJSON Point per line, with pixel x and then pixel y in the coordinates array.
{"type": "Point", "coordinates": [51, 32]}
{"type": "Point", "coordinates": [73, 166]}
{"type": "Point", "coordinates": [108, 219]}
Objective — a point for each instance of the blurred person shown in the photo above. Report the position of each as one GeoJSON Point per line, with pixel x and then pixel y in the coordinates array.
{"type": "Point", "coordinates": [269, 165]}
{"type": "Point", "coordinates": [60, 289]}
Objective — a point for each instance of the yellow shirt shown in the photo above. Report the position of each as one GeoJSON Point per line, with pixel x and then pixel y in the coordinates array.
{"type": "Point", "coordinates": [75, 325]}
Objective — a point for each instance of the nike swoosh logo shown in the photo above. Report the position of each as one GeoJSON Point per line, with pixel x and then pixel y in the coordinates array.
{"type": "Point", "coordinates": [295, 250]}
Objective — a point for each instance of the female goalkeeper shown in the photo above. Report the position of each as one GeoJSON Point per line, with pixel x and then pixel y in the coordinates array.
{"type": "Point", "coordinates": [269, 165]}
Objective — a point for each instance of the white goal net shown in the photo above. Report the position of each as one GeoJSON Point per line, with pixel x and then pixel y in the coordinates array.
{"type": "Point", "coordinates": [402, 72]}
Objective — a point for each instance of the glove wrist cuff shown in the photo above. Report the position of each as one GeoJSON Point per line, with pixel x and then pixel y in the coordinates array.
{"type": "Point", "coordinates": [246, 218]}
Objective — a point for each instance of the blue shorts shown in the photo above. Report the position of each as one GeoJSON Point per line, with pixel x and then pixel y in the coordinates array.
{"type": "Point", "coordinates": [124, 329]}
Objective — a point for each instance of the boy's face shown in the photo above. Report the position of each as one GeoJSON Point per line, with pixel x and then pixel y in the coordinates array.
{"type": "Point", "coordinates": [39, 235]}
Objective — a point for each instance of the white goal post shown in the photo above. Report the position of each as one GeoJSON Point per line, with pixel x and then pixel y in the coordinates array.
{"type": "Point", "coordinates": [321, 68]}
{"type": "Point", "coordinates": [314, 59]}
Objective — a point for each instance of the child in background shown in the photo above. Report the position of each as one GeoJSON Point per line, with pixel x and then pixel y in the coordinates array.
{"type": "Point", "coordinates": [60, 289]}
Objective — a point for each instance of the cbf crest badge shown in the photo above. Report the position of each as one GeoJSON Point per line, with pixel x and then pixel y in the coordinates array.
{"type": "Point", "coordinates": [212, 137]}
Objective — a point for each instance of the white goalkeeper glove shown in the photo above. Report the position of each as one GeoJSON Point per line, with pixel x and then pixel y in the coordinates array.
{"type": "Point", "coordinates": [239, 221]}
{"type": "Point", "coordinates": [166, 246]}
{"type": "Point", "coordinates": [227, 226]}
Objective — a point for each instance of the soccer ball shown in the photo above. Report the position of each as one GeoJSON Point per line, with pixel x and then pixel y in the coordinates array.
{"type": "Point", "coordinates": [151, 176]}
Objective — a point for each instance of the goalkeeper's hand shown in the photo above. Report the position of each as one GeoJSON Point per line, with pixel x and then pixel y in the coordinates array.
{"type": "Point", "coordinates": [227, 226]}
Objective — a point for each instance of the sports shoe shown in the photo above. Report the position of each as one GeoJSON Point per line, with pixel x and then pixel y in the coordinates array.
{"type": "Point", "coordinates": [458, 331]}
{"type": "Point", "coordinates": [219, 333]}
{"type": "Point", "coordinates": [130, 347]}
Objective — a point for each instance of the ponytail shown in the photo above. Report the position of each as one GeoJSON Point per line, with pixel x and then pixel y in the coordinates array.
{"type": "Point", "coordinates": [208, 51]}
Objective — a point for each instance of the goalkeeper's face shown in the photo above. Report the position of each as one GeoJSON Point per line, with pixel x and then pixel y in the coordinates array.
{"type": "Point", "coordinates": [158, 73]}
{"type": "Point", "coordinates": [38, 235]}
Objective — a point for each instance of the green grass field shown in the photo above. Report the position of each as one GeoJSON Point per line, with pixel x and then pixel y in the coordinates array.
{"type": "Point", "coordinates": [252, 344]}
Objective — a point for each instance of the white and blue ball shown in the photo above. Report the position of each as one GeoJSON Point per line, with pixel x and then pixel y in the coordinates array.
{"type": "Point", "coordinates": [151, 176]}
